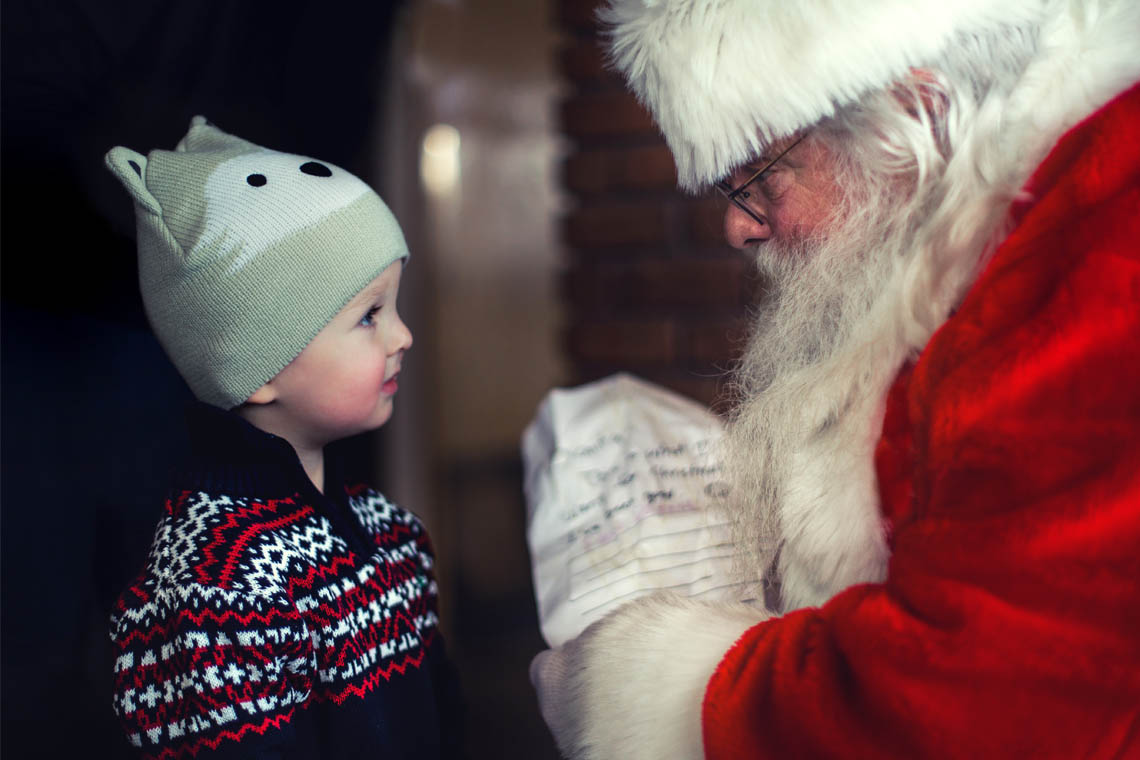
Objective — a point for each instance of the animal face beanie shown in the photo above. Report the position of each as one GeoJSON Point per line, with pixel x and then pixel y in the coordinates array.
{"type": "Point", "coordinates": [246, 253]}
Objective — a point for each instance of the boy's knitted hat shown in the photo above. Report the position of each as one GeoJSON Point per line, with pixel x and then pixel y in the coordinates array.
{"type": "Point", "coordinates": [245, 253]}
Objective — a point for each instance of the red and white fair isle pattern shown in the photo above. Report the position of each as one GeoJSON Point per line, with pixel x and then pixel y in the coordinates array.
{"type": "Point", "coordinates": [249, 609]}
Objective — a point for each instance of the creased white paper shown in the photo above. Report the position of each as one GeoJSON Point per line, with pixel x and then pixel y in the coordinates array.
{"type": "Point", "coordinates": [623, 487]}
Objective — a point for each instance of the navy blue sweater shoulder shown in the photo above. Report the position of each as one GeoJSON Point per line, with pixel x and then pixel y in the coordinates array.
{"type": "Point", "coordinates": [275, 621]}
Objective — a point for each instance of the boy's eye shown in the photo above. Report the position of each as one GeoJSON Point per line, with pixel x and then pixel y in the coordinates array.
{"type": "Point", "coordinates": [369, 319]}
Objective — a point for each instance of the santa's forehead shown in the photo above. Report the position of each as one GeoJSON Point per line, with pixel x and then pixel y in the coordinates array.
{"type": "Point", "coordinates": [766, 151]}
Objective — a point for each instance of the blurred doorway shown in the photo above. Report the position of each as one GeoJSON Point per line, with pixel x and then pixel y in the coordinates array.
{"type": "Point", "coordinates": [470, 166]}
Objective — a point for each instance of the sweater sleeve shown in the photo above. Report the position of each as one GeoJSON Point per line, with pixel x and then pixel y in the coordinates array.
{"type": "Point", "coordinates": [205, 671]}
{"type": "Point", "coordinates": [1007, 626]}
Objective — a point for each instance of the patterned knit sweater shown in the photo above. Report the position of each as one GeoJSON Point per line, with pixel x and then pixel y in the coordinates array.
{"type": "Point", "coordinates": [273, 621]}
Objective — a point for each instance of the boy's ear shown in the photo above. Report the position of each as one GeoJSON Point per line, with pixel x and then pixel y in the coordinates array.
{"type": "Point", "coordinates": [263, 395]}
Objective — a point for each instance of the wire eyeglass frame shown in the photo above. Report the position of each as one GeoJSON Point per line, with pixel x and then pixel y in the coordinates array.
{"type": "Point", "coordinates": [739, 194]}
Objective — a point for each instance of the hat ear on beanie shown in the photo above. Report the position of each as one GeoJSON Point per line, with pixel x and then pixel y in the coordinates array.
{"type": "Point", "coordinates": [130, 168]}
{"type": "Point", "coordinates": [203, 135]}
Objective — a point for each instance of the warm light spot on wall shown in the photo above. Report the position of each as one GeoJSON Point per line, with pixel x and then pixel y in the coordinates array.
{"type": "Point", "coordinates": [439, 160]}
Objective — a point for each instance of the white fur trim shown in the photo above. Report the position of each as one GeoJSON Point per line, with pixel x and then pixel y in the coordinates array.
{"type": "Point", "coordinates": [637, 678]}
{"type": "Point", "coordinates": [833, 530]}
{"type": "Point", "coordinates": [1090, 54]}
{"type": "Point", "coordinates": [725, 77]}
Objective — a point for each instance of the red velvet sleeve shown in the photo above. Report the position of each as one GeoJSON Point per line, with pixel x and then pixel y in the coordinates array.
{"type": "Point", "coordinates": [1009, 623]}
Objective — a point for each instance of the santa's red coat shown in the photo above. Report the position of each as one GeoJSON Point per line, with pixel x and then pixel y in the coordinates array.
{"type": "Point", "coordinates": [1009, 470]}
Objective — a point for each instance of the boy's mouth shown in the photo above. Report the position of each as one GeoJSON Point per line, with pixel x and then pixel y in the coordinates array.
{"type": "Point", "coordinates": [390, 385]}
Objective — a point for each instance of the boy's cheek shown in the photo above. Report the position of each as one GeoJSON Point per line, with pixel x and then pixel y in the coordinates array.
{"type": "Point", "coordinates": [355, 397]}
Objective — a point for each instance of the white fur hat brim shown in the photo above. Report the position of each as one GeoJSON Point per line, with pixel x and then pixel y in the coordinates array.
{"type": "Point", "coordinates": [723, 78]}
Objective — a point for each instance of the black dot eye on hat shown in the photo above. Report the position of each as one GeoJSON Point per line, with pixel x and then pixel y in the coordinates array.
{"type": "Point", "coordinates": [315, 169]}
{"type": "Point", "coordinates": [257, 180]}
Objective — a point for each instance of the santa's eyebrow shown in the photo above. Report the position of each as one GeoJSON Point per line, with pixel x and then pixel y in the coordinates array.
{"type": "Point", "coordinates": [772, 154]}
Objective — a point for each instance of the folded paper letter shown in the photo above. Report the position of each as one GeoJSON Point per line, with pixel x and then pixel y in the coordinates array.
{"type": "Point", "coordinates": [624, 490]}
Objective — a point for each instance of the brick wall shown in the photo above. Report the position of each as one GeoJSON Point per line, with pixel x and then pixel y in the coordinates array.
{"type": "Point", "coordinates": [650, 285]}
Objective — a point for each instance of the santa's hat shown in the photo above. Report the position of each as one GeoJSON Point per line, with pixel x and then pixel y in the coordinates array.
{"type": "Point", "coordinates": [723, 78]}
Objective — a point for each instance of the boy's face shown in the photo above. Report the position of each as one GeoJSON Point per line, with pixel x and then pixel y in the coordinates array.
{"type": "Point", "coordinates": [344, 381]}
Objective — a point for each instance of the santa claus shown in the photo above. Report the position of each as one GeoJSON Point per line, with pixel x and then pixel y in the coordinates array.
{"type": "Point", "coordinates": [936, 444]}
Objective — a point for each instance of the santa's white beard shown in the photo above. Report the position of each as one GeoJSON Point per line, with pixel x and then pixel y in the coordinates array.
{"type": "Point", "coordinates": [811, 388]}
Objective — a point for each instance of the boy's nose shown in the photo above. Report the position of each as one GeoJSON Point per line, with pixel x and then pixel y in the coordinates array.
{"type": "Point", "coordinates": [741, 230]}
{"type": "Point", "coordinates": [403, 339]}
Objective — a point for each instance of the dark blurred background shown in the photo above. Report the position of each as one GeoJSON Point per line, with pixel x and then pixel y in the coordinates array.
{"type": "Point", "coordinates": [549, 248]}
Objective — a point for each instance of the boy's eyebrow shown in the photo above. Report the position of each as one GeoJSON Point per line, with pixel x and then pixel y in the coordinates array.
{"type": "Point", "coordinates": [370, 293]}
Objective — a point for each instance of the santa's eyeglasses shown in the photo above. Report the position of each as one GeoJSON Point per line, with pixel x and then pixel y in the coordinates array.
{"type": "Point", "coordinates": [740, 194]}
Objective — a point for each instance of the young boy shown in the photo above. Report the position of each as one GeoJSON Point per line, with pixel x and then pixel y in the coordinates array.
{"type": "Point", "coordinates": [282, 613]}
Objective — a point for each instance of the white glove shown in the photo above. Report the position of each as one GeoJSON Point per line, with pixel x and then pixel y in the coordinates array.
{"type": "Point", "coordinates": [631, 686]}
{"type": "Point", "coordinates": [548, 675]}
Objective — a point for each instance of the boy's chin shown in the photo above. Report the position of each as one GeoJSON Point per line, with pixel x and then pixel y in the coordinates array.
{"type": "Point", "coordinates": [366, 423]}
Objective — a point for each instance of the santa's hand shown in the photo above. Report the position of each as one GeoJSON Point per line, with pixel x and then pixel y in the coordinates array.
{"type": "Point", "coordinates": [631, 686]}
{"type": "Point", "coordinates": [573, 702]}
{"type": "Point", "coordinates": [548, 675]}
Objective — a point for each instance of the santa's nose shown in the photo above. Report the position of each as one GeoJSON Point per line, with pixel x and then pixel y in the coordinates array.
{"type": "Point", "coordinates": [741, 229]}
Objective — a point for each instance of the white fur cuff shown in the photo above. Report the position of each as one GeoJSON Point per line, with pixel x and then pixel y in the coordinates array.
{"type": "Point", "coordinates": [636, 680]}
